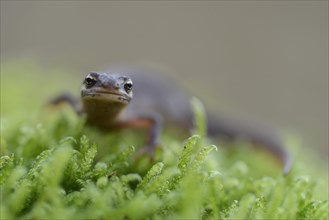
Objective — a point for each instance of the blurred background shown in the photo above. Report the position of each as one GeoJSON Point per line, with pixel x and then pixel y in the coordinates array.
{"type": "Point", "coordinates": [264, 61]}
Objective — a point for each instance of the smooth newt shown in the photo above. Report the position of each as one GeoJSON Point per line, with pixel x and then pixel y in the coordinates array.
{"type": "Point", "coordinates": [107, 100]}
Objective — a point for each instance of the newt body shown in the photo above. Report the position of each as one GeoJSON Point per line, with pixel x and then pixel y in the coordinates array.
{"type": "Point", "coordinates": [111, 103]}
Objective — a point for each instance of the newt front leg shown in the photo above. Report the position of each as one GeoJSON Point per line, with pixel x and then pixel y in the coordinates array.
{"type": "Point", "coordinates": [69, 99]}
{"type": "Point", "coordinates": [151, 124]}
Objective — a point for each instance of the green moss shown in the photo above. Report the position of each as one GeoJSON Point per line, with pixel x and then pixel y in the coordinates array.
{"type": "Point", "coordinates": [52, 167]}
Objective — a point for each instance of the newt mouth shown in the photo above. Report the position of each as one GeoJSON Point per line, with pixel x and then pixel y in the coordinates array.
{"type": "Point", "coordinates": [107, 96]}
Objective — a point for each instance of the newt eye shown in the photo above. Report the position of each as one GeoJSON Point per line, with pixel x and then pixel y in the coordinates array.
{"type": "Point", "coordinates": [90, 81]}
{"type": "Point", "coordinates": [128, 86]}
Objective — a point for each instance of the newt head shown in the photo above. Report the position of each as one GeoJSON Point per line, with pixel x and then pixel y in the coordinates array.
{"type": "Point", "coordinates": [104, 96]}
{"type": "Point", "coordinates": [107, 88]}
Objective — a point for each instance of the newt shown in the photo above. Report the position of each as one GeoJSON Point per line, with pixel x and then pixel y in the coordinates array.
{"type": "Point", "coordinates": [114, 101]}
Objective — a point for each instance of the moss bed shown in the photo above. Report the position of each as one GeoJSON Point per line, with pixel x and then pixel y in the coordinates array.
{"type": "Point", "coordinates": [53, 167]}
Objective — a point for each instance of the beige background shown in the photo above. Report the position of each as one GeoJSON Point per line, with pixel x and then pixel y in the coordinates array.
{"type": "Point", "coordinates": [261, 60]}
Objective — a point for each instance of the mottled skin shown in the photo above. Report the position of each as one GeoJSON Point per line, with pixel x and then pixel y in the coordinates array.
{"type": "Point", "coordinates": [107, 100]}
